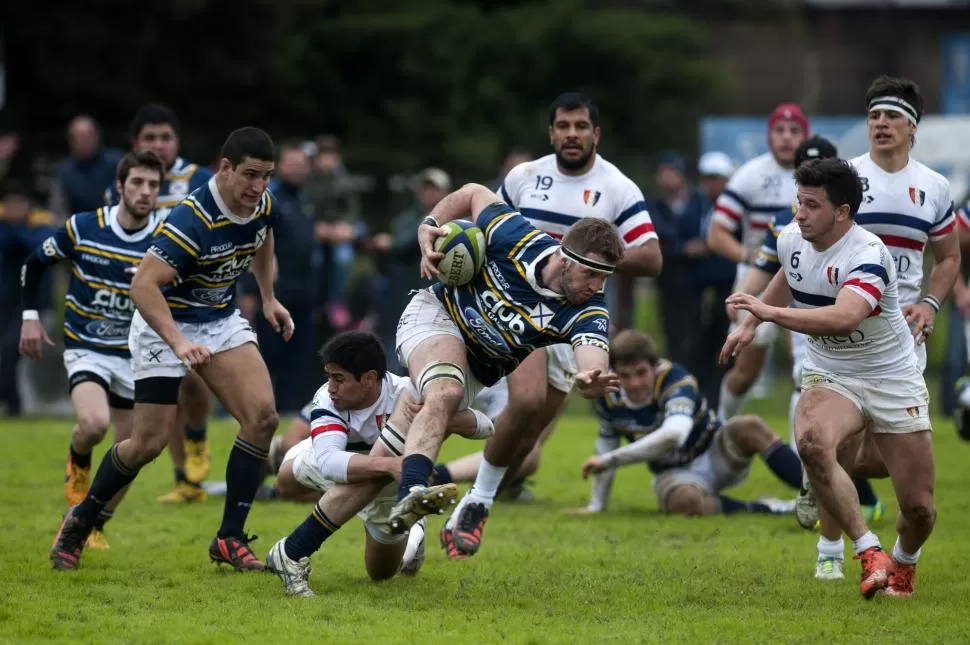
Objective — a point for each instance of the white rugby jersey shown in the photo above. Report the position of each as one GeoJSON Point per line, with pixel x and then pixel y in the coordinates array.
{"type": "Point", "coordinates": [759, 189]}
{"type": "Point", "coordinates": [353, 430]}
{"type": "Point", "coordinates": [882, 343]}
{"type": "Point", "coordinates": [552, 201]}
{"type": "Point", "coordinates": [905, 209]}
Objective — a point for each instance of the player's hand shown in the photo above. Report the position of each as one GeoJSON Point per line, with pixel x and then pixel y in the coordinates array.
{"type": "Point", "coordinates": [595, 383]}
{"type": "Point", "coordinates": [752, 304]}
{"type": "Point", "coordinates": [736, 341]}
{"type": "Point", "coordinates": [427, 235]}
{"type": "Point", "coordinates": [732, 312]}
{"type": "Point", "coordinates": [583, 511]}
{"type": "Point", "coordinates": [920, 318]}
{"type": "Point", "coordinates": [411, 409]}
{"type": "Point", "coordinates": [592, 466]}
{"type": "Point", "coordinates": [33, 337]}
{"type": "Point", "coordinates": [279, 318]}
{"type": "Point", "coordinates": [191, 354]}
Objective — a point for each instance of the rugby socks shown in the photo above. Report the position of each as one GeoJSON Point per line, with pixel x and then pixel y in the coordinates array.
{"type": "Point", "coordinates": [112, 476]}
{"type": "Point", "coordinates": [415, 471]}
{"type": "Point", "coordinates": [728, 404]}
{"type": "Point", "coordinates": [309, 536]}
{"type": "Point", "coordinates": [244, 473]}
{"type": "Point", "coordinates": [442, 475]}
{"type": "Point", "coordinates": [902, 557]}
{"type": "Point", "coordinates": [195, 434]}
{"type": "Point", "coordinates": [866, 541]}
{"type": "Point", "coordinates": [78, 459]}
{"type": "Point", "coordinates": [831, 548]}
{"type": "Point", "coordinates": [103, 518]}
{"type": "Point", "coordinates": [180, 476]}
{"type": "Point", "coordinates": [487, 481]}
{"type": "Point", "coordinates": [783, 461]}
{"type": "Point", "coordinates": [867, 496]}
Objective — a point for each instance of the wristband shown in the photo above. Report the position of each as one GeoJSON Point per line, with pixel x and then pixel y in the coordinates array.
{"type": "Point", "coordinates": [430, 221]}
{"type": "Point", "coordinates": [932, 301]}
{"type": "Point", "coordinates": [31, 314]}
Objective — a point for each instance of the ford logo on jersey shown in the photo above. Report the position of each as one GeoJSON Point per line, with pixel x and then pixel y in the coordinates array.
{"type": "Point", "coordinates": [107, 328]}
{"type": "Point", "coordinates": [210, 296]}
{"type": "Point", "coordinates": [484, 331]}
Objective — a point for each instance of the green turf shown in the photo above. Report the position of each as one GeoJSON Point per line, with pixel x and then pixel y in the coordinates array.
{"type": "Point", "coordinates": [628, 576]}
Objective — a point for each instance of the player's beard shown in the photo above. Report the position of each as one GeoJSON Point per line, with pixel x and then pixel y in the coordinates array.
{"type": "Point", "coordinates": [575, 164]}
{"type": "Point", "coordinates": [135, 214]}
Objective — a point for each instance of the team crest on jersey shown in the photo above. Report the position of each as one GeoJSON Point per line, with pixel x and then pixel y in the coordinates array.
{"type": "Point", "coordinates": [916, 195]}
{"type": "Point", "coordinates": [591, 197]}
{"type": "Point", "coordinates": [541, 315]}
{"type": "Point", "coordinates": [832, 275]}
{"type": "Point", "coordinates": [178, 187]}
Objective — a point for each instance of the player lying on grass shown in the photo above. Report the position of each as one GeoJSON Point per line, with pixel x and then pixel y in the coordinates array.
{"type": "Point", "coordinates": [346, 421]}
{"type": "Point", "coordinates": [693, 455]}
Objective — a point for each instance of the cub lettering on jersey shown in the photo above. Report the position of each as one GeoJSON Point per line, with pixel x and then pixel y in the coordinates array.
{"type": "Point", "coordinates": [112, 301]}
{"type": "Point", "coordinates": [502, 315]}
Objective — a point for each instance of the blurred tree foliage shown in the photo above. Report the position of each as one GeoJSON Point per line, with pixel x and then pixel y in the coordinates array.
{"type": "Point", "coordinates": [443, 82]}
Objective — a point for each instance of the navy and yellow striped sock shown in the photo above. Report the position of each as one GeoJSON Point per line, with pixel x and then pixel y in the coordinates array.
{"type": "Point", "coordinates": [308, 537]}
{"type": "Point", "coordinates": [112, 476]}
{"type": "Point", "coordinates": [243, 476]}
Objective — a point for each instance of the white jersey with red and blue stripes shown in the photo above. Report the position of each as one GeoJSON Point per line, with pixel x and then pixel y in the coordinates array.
{"type": "Point", "coordinates": [552, 201]}
{"type": "Point", "coordinates": [882, 344]}
{"type": "Point", "coordinates": [354, 430]}
{"type": "Point", "coordinates": [906, 209]}
{"type": "Point", "coordinates": [759, 189]}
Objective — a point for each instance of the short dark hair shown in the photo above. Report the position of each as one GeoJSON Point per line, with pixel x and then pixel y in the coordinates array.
{"type": "Point", "coordinates": [153, 114]}
{"type": "Point", "coordinates": [569, 101]}
{"type": "Point", "coordinates": [837, 176]}
{"type": "Point", "coordinates": [902, 88]}
{"type": "Point", "coordinates": [143, 159]}
{"type": "Point", "coordinates": [594, 235]}
{"type": "Point", "coordinates": [356, 352]}
{"type": "Point", "coordinates": [245, 142]}
{"type": "Point", "coordinates": [630, 347]}
{"type": "Point", "coordinates": [815, 147]}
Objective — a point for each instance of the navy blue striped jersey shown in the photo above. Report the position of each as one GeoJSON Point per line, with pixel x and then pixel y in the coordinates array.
{"type": "Point", "coordinates": [504, 314]}
{"type": "Point", "coordinates": [210, 247]}
{"type": "Point", "coordinates": [768, 255]}
{"type": "Point", "coordinates": [103, 256]}
{"type": "Point", "coordinates": [675, 391]}
{"type": "Point", "coordinates": [180, 180]}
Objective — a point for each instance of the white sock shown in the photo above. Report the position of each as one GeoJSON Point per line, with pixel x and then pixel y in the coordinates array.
{"type": "Point", "coordinates": [450, 523]}
{"type": "Point", "coordinates": [902, 557]}
{"type": "Point", "coordinates": [831, 548]}
{"type": "Point", "coordinates": [792, 404]}
{"type": "Point", "coordinates": [486, 484]}
{"type": "Point", "coordinates": [965, 397]}
{"type": "Point", "coordinates": [866, 541]}
{"type": "Point", "coordinates": [729, 405]}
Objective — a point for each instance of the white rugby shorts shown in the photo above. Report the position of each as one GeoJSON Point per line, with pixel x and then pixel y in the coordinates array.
{"type": "Point", "coordinates": [719, 468]}
{"type": "Point", "coordinates": [114, 370]}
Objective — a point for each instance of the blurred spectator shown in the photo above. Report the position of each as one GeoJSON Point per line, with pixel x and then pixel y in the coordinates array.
{"type": "Point", "coordinates": [514, 158]}
{"type": "Point", "coordinates": [87, 172]}
{"type": "Point", "coordinates": [401, 256]}
{"type": "Point", "coordinates": [9, 146]}
{"type": "Point", "coordinates": [22, 229]}
{"type": "Point", "coordinates": [955, 361]}
{"type": "Point", "coordinates": [677, 214]}
{"type": "Point", "coordinates": [713, 277]}
{"type": "Point", "coordinates": [292, 365]}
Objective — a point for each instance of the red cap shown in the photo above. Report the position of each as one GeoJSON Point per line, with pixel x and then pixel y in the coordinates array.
{"type": "Point", "coordinates": [789, 112]}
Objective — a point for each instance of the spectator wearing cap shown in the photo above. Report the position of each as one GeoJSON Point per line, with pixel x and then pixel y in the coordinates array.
{"type": "Point", "coordinates": [677, 215]}
{"type": "Point", "coordinates": [401, 254]}
{"type": "Point", "coordinates": [89, 169]}
{"type": "Point", "coordinates": [713, 277]}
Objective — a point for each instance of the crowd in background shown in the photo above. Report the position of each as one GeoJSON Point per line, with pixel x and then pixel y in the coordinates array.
{"type": "Point", "coordinates": [337, 272]}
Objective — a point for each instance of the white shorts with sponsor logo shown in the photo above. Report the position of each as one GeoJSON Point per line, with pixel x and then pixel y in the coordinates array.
{"type": "Point", "coordinates": [424, 318]}
{"type": "Point", "coordinates": [375, 515]}
{"type": "Point", "coordinates": [561, 367]}
{"type": "Point", "coordinates": [114, 370]}
{"type": "Point", "coordinates": [152, 357]}
{"type": "Point", "coordinates": [715, 470]}
{"type": "Point", "coordinates": [896, 404]}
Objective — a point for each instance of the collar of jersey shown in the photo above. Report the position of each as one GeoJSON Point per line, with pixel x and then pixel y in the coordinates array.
{"type": "Point", "coordinates": [889, 174]}
{"type": "Point", "coordinates": [630, 405]}
{"type": "Point", "coordinates": [530, 274]}
{"type": "Point", "coordinates": [224, 210]}
{"type": "Point", "coordinates": [111, 216]}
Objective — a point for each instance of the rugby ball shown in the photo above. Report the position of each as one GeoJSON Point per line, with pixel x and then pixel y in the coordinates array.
{"type": "Point", "coordinates": [464, 251]}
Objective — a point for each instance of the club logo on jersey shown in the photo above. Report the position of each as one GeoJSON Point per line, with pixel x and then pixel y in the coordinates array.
{"type": "Point", "coordinates": [211, 297]}
{"type": "Point", "coordinates": [112, 301]}
{"type": "Point", "coordinates": [484, 332]}
{"type": "Point", "coordinates": [498, 312]}
{"type": "Point", "coordinates": [107, 328]}
{"type": "Point", "coordinates": [178, 187]}
{"type": "Point", "coordinates": [832, 275]}
{"type": "Point", "coordinates": [917, 196]}
{"type": "Point", "coordinates": [541, 314]}
{"type": "Point", "coordinates": [591, 196]}
{"type": "Point", "coordinates": [230, 269]}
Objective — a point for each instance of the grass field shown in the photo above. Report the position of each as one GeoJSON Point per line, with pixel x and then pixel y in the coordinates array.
{"type": "Point", "coordinates": [628, 576]}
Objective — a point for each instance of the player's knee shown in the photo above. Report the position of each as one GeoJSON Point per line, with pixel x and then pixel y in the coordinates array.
{"type": "Point", "coordinates": [813, 449]}
{"type": "Point", "coordinates": [286, 484]}
{"type": "Point", "coordinates": [92, 426]}
{"type": "Point", "coordinates": [750, 434]}
{"type": "Point", "coordinates": [146, 446]}
{"type": "Point", "coordinates": [686, 500]}
{"type": "Point", "coordinates": [442, 386]}
{"type": "Point", "coordinates": [920, 510]}
{"type": "Point", "coordinates": [263, 421]}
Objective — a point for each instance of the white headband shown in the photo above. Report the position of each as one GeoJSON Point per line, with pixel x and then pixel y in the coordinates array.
{"type": "Point", "coordinates": [895, 104]}
{"type": "Point", "coordinates": [595, 265]}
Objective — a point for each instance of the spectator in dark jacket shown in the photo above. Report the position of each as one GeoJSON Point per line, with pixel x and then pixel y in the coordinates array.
{"type": "Point", "coordinates": [87, 172]}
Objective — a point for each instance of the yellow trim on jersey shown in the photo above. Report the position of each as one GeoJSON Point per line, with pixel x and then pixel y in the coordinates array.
{"type": "Point", "coordinates": [453, 310]}
{"type": "Point", "coordinates": [592, 312]}
{"type": "Point", "coordinates": [73, 307]}
{"type": "Point", "coordinates": [521, 243]}
{"type": "Point", "coordinates": [687, 380]}
{"type": "Point", "coordinates": [663, 368]}
{"type": "Point", "coordinates": [495, 222]}
{"type": "Point", "coordinates": [767, 257]}
{"type": "Point", "coordinates": [71, 233]}
{"type": "Point", "coordinates": [192, 252]}
{"type": "Point", "coordinates": [71, 335]}
{"type": "Point", "coordinates": [208, 283]}
{"type": "Point", "coordinates": [95, 283]}
{"type": "Point", "coordinates": [101, 218]}
{"type": "Point", "coordinates": [225, 258]}
{"type": "Point", "coordinates": [269, 203]}
{"type": "Point", "coordinates": [83, 248]}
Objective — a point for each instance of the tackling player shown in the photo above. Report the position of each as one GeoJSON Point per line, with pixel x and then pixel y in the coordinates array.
{"type": "Point", "coordinates": [156, 127]}
{"type": "Point", "coordinates": [693, 455]}
{"type": "Point", "coordinates": [863, 390]}
{"type": "Point", "coordinates": [553, 193]}
{"type": "Point", "coordinates": [105, 248]}
{"type": "Point", "coordinates": [207, 242]}
{"type": "Point", "coordinates": [759, 189]}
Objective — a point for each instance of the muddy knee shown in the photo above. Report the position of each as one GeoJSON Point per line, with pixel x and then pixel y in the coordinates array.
{"type": "Point", "coordinates": [686, 500]}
